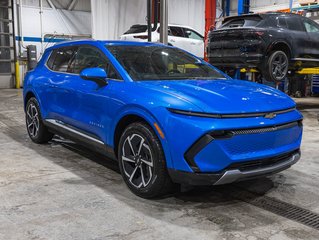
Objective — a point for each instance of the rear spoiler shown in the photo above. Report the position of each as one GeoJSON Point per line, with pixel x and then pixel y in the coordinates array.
{"type": "Point", "coordinates": [241, 16]}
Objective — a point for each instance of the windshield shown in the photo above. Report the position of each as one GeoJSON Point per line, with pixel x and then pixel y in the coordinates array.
{"type": "Point", "coordinates": [162, 63]}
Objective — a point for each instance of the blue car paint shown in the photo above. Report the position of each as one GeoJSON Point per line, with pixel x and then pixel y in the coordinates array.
{"type": "Point", "coordinates": [82, 104]}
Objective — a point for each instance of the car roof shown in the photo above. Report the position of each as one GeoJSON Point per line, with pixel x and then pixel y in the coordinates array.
{"type": "Point", "coordinates": [262, 15]}
{"type": "Point", "coordinates": [170, 25]}
{"type": "Point", "coordinates": [103, 42]}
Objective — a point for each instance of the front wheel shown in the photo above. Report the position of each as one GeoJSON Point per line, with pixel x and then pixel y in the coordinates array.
{"type": "Point", "coordinates": [277, 66]}
{"type": "Point", "coordinates": [142, 162]}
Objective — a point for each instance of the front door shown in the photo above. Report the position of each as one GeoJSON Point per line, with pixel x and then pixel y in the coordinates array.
{"type": "Point", "coordinates": [195, 41]}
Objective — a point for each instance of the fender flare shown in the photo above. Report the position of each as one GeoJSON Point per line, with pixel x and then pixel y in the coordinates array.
{"type": "Point", "coordinates": [150, 119]}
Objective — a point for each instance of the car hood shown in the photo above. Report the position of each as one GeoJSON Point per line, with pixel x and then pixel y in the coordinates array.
{"type": "Point", "coordinates": [224, 96]}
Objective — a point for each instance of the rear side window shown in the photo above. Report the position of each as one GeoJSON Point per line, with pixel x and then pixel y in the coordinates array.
{"type": "Point", "coordinates": [176, 32]}
{"type": "Point", "coordinates": [60, 58]}
{"type": "Point", "coordinates": [291, 23]}
{"type": "Point", "coordinates": [242, 22]}
{"type": "Point", "coordinates": [137, 29]}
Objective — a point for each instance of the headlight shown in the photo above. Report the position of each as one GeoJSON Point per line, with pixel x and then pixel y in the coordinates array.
{"type": "Point", "coordinates": [196, 114]}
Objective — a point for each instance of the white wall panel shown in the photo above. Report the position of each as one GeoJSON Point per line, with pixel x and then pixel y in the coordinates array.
{"type": "Point", "coordinates": [54, 22]}
{"type": "Point", "coordinates": [111, 18]}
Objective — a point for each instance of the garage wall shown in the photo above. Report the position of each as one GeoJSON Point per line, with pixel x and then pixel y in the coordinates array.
{"type": "Point", "coordinates": [54, 22]}
{"type": "Point", "coordinates": [111, 18]}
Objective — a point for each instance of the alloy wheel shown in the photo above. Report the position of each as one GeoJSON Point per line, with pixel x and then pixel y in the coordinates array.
{"type": "Point", "coordinates": [32, 120]}
{"type": "Point", "coordinates": [279, 66]}
{"type": "Point", "coordinates": [137, 161]}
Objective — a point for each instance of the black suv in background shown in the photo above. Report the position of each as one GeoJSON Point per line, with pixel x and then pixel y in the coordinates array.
{"type": "Point", "coordinates": [274, 43]}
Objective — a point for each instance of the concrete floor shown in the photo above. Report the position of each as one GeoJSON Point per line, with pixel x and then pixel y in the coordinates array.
{"type": "Point", "coordinates": [60, 191]}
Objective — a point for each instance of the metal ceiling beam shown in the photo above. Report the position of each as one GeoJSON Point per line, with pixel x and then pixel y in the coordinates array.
{"type": "Point", "coordinates": [56, 4]}
{"type": "Point", "coordinates": [51, 4]}
{"type": "Point", "coordinates": [72, 4]}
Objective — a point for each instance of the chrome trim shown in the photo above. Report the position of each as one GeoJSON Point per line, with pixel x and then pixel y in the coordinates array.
{"type": "Point", "coordinates": [306, 59]}
{"type": "Point", "coordinates": [234, 175]}
{"type": "Point", "coordinates": [65, 127]}
{"type": "Point", "coordinates": [239, 115]}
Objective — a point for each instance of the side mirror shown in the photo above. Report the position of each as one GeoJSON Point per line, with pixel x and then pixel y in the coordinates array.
{"type": "Point", "coordinates": [97, 75]}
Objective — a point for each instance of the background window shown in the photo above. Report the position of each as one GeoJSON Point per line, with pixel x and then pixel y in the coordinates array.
{"type": "Point", "coordinates": [193, 35]}
{"type": "Point", "coordinates": [176, 32]}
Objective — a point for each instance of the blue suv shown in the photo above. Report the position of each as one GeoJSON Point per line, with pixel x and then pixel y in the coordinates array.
{"type": "Point", "coordinates": [165, 115]}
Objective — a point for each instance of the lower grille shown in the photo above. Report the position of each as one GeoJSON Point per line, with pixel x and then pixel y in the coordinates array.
{"type": "Point", "coordinates": [255, 164]}
{"type": "Point", "coordinates": [266, 129]}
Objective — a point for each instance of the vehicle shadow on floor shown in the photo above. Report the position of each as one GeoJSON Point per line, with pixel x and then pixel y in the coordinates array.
{"type": "Point", "coordinates": [219, 208]}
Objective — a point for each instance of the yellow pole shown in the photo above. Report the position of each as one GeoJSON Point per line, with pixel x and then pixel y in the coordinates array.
{"type": "Point", "coordinates": [17, 68]}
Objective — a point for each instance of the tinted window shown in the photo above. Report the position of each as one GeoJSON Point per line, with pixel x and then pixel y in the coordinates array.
{"type": "Point", "coordinates": [87, 57]}
{"type": "Point", "coordinates": [294, 24]}
{"type": "Point", "coordinates": [281, 22]}
{"type": "Point", "coordinates": [162, 63]}
{"type": "Point", "coordinates": [311, 26]}
{"type": "Point", "coordinates": [192, 34]}
{"type": "Point", "coordinates": [176, 32]}
{"type": "Point", "coordinates": [288, 22]}
{"type": "Point", "coordinates": [60, 58]}
{"type": "Point", "coordinates": [137, 29]}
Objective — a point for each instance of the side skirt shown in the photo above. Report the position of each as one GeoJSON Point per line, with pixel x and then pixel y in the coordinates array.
{"type": "Point", "coordinates": [80, 137]}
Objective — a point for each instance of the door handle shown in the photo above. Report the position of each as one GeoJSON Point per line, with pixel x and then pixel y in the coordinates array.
{"type": "Point", "coordinates": [193, 43]}
{"type": "Point", "coordinates": [172, 40]}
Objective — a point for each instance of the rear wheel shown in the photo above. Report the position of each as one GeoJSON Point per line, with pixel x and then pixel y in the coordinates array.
{"type": "Point", "coordinates": [277, 66]}
{"type": "Point", "coordinates": [35, 127]}
{"type": "Point", "coordinates": [142, 162]}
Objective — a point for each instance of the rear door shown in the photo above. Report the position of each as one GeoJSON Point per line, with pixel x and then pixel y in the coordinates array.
{"type": "Point", "coordinates": [295, 34]}
{"type": "Point", "coordinates": [56, 96]}
{"type": "Point", "coordinates": [195, 42]}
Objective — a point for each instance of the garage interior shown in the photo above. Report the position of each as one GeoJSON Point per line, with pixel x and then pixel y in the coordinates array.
{"type": "Point", "coordinates": [62, 190]}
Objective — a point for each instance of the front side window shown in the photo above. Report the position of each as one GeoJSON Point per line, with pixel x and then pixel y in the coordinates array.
{"type": "Point", "coordinates": [311, 27]}
{"type": "Point", "coordinates": [60, 58]}
{"type": "Point", "coordinates": [192, 34]}
{"type": "Point", "coordinates": [87, 57]}
{"type": "Point", "coordinates": [162, 63]}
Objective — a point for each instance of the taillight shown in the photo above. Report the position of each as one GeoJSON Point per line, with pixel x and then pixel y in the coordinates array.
{"type": "Point", "coordinates": [141, 37]}
{"type": "Point", "coordinates": [260, 33]}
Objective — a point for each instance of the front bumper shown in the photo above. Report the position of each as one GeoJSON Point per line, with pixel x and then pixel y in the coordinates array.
{"type": "Point", "coordinates": [238, 172]}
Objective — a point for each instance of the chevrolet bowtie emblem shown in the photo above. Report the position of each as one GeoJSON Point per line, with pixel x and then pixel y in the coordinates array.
{"type": "Point", "coordinates": [270, 115]}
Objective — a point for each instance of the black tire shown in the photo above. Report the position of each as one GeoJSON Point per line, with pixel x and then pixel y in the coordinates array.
{"type": "Point", "coordinates": [277, 65]}
{"type": "Point", "coordinates": [35, 127]}
{"type": "Point", "coordinates": [146, 181]}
